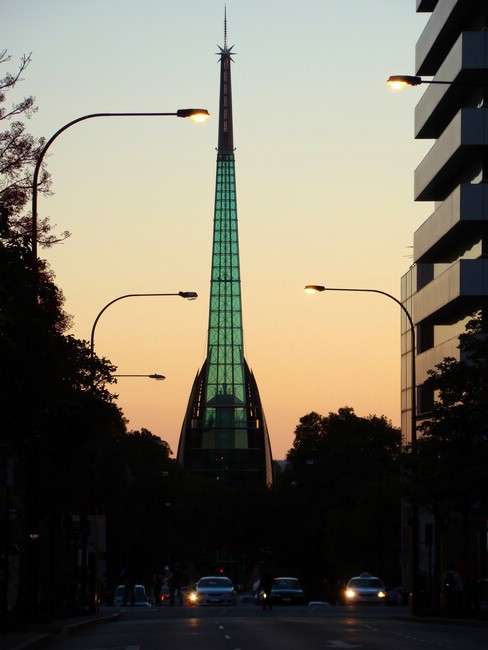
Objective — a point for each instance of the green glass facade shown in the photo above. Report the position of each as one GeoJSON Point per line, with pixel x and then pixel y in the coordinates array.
{"type": "Point", "coordinates": [225, 368]}
{"type": "Point", "coordinates": [224, 435]}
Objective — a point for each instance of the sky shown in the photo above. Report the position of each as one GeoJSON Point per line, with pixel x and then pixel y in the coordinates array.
{"type": "Point", "coordinates": [325, 157]}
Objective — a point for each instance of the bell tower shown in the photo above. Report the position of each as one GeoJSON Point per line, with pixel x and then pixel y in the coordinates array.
{"type": "Point", "coordinates": [224, 435]}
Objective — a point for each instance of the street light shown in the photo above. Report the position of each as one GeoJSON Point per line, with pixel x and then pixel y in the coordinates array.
{"type": "Point", "coordinates": [196, 114]}
{"type": "Point", "coordinates": [189, 295]}
{"type": "Point", "coordinates": [155, 376]}
{"type": "Point", "coordinates": [314, 288]}
{"type": "Point", "coordinates": [400, 81]}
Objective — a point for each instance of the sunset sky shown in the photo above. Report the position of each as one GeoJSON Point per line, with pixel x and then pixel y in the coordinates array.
{"type": "Point", "coordinates": [324, 161]}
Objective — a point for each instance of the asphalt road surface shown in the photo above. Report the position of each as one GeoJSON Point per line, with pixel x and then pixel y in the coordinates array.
{"type": "Point", "coordinates": [247, 627]}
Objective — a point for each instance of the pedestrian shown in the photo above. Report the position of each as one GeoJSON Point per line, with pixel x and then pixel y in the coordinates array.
{"type": "Point", "coordinates": [127, 577]}
{"type": "Point", "coordinates": [453, 591]}
{"type": "Point", "coordinates": [175, 583]}
{"type": "Point", "coordinates": [471, 600]}
{"type": "Point", "coordinates": [156, 584]}
{"type": "Point", "coordinates": [265, 587]}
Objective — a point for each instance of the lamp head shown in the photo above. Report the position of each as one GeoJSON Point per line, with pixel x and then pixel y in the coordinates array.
{"type": "Point", "coordinates": [196, 114]}
{"type": "Point", "coordinates": [314, 288]}
{"type": "Point", "coordinates": [398, 82]}
{"type": "Point", "coordinates": [157, 377]}
{"type": "Point", "coordinates": [189, 295]}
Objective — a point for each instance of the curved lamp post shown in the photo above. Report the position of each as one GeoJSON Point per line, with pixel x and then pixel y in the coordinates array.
{"type": "Point", "coordinates": [314, 288]}
{"type": "Point", "coordinates": [196, 114]}
{"type": "Point", "coordinates": [189, 295]}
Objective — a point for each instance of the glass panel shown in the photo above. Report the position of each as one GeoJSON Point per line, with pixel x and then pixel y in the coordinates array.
{"type": "Point", "coordinates": [225, 386]}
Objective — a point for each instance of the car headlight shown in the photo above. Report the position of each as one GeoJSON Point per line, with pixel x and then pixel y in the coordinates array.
{"type": "Point", "coordinates": [350, 593]}
{"type": "Point", "coordinates": [381, 594]}
{"type": "Point", "coordinates": [193, 597]}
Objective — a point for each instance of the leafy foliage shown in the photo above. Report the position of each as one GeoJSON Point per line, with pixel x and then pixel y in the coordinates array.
{"type": "Point", "coordinates": [19, 152]}
{"type": "Point", "coordinates": [343, 482]}
{"type": "Point", "coordinates": [451, 455]}
{"type": "Point", "coordinates": [58, 419]}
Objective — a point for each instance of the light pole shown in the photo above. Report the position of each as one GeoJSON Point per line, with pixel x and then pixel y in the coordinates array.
{"type": "Point", "coordinates": [314, 288]}
{"type": "Point", "coordinates": [189, 295]}
{"type": "Point", "coordinates": [196, 114]}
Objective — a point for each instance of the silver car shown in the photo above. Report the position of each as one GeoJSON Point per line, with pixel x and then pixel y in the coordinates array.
{"type": "Point", "coordinates": [365, 588]}
{"type": "Point", "coordinates": [212, 590]}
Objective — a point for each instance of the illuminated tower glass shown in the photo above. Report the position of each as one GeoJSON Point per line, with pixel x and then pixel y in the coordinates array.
{"type": "Point", "coordinates": [224, 435]}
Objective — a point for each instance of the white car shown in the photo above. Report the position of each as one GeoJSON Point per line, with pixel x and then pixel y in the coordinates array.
{"type": "Point", "coordinates": [365, 588]}
{"type": "Point", "coordinates": [212, 590]}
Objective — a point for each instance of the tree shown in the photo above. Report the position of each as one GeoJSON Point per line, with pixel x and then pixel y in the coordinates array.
{"type": "Point", "coordinates": [342, 494]}
{"type": "Point", "coordinates": [57, 416]}
{"type": "Point", "coordinates": [19, 152]}
{"type": "Point", "coordinates": [138, 503]}
{"type": "Point", "coordinates": [55, 427]}
{"type": "Point", "coordinates": [453, 447]}
{"type": "Point", "coordinates": [447, 467]}
{"type": "Point", "coordinates": [445, 470]}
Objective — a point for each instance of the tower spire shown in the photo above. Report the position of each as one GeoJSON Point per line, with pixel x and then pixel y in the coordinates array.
{"type": "Point", "coordinates": [224, 434]}
{"type": "Point", "coordinates": [225, 26]}
{"type": "Point", "coordinates": [226, 129]}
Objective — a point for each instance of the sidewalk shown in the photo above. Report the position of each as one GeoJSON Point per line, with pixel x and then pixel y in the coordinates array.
{"type": "Point", "coordinates": [35, 635]}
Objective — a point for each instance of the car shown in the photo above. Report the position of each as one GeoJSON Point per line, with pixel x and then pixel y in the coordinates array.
{"type": "Point", "coordinates": [212, 590]}
{"type": "Point", "coordinates": [287, 591]}
{"type": "Point", "coordinates": [140, 596]}
{"type": "Point", "coordinates": [365, 588]}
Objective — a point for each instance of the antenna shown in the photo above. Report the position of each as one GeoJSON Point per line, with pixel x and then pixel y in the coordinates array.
{"type": "Point", "coordinates": [225, 26]}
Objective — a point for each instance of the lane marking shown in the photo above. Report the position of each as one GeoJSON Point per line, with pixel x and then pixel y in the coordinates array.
{"type": "Point", "coordinates": [118, 647]}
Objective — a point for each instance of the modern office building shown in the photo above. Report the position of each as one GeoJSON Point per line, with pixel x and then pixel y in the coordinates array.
{"type": "Point", "coordinates": [448, 280]}
{"type": "Point", "coordinates": [224, 435]}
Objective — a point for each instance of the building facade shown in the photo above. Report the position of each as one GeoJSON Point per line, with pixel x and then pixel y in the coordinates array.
{"type": "Point", "coordinates": [224, 435]}
{"type": "Point", "coordinates": [448, 281]}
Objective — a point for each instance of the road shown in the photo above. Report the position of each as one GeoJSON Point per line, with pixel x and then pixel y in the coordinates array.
{"type": "Point", "coordinates": [247, 627]}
